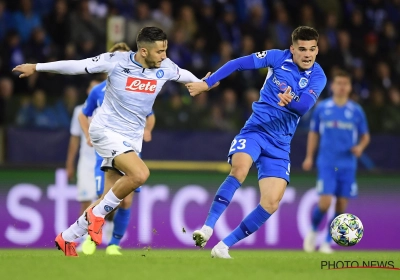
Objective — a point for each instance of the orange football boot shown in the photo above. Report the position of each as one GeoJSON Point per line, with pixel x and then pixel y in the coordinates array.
{"type": "Point", "coordinates": [67, 247]}
{"type": "Point", "coordinates": [95, 225]}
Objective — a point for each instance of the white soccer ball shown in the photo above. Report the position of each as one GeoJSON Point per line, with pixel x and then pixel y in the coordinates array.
{"type": "Point", "coordinates": [346, 230]}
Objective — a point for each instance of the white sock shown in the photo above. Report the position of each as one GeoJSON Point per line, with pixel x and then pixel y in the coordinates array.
{"type": "Point", "coordinates": [109, 202]}
{"type": "Point", "coordinates": [207, 230]}
{"type": "Point", "coordinates": [222, 245]}
{"type": "Point", "coordinates": [77, 229]}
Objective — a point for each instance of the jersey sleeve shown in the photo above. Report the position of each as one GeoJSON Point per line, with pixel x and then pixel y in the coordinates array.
{"type": "Point", "coordinates": [75, 128]}
{"type": "Point", "coordinates": [315, 120]}
{"type": "Point", "coordinates": [267, 58]}
{"type": "Point", "coordinates": [103, 63]}
{"type": "Point", "coordinates": [317, 85]}
{"type": "Point", "coordinates": [151, 113]}
{"type": "Point", "coordinates": [362, 125]}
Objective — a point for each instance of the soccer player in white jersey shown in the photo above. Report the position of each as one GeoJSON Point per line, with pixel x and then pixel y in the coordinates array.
{"type": "Point", "coordinates": [85, 169]}
{"type": "Point", "coordinates": [134, 81]}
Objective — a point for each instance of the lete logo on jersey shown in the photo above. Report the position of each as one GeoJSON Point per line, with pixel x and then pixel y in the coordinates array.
{"type": "Point", "coordinates": [141, 85]}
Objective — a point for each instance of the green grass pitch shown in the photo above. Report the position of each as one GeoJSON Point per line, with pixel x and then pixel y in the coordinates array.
{"type": "Point", "coordinates": [189, 264]}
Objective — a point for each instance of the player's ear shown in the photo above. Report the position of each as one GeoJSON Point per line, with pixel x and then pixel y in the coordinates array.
{"type": "Point", "coordinates": [143, 52]}
{"type": "Point", "coordinates": [291, 49]}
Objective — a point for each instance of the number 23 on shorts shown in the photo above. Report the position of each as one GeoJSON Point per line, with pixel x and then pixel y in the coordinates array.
{"type": "Point", "coordinates": [238, 145]}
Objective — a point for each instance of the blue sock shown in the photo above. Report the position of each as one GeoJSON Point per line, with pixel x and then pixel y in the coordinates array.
{"type": "Point", "coordinates": [328, 236]}
{"type": "Point", "coordinates": [222, 199]}
{"type": "Point", "coordinates": [317, 217]}
{"type": "Point", "coordinates": [121, 221]}
{"type": "Point", "coordinates": [250, 224]}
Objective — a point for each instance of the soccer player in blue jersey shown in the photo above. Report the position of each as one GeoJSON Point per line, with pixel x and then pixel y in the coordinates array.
{"type": "Point", "coordinates": [292, 86]}
{"type": "Point", "coordinates": [122, 214]}
{"type": "Point", "coordinates": [340, 128]}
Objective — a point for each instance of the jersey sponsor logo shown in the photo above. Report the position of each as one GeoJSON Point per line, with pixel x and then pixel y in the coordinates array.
{"type": "Point", "coordinates": [160, 74]}
{"type": "Point", "coordinates": [339, 125]}
{"type": "Point", "coordinates": [141, 85]}
{"type": "Point", "coordinates": [96, 58]}
{"type": "Point", "coordinates": [303, 82]}
{"type": "Point", "coordinates": [283, 86]}
{"type": "Point", "coordinates": [261, 54]}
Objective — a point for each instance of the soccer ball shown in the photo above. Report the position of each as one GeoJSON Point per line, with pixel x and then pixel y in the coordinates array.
{"type": "Point", "coordinates": [346, 230]}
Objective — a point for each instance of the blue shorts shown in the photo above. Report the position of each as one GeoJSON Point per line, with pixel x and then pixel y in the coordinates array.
{"type": "Point", "coordinates": [269, 160]}
{"type": "Point", "coordinates": [338, 182]}
{"type": "Point", "coordinates": [99, 176]}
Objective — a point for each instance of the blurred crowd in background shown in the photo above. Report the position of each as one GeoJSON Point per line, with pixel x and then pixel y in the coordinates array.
{"type": "Point", "coordinates": [360, 36]}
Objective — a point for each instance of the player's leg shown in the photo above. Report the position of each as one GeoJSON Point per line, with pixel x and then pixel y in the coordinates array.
{"type": "Point", "coordinates": [273, 179]}
{"type": "Point", "coordinates": [242, 153]}
{"type": "Point", "coordinates": [136, 173]}
{"type": "Point", "coordinates": [326, 186]}
{"type": "Point", "coordinates": [346, 188]}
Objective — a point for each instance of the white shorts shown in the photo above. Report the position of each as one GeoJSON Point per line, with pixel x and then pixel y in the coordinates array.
{"type": "Point", "coordinates": [85, 180]}
{"type": "Point", "coordinates": [109, 144]}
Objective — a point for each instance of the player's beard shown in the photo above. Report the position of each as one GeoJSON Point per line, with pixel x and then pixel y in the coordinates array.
{"type": "Point", "coordinates": [151, 63]}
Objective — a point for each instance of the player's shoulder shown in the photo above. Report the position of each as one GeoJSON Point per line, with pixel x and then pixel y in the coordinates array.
{"type": "Point", "coordinates": [168, 63]}
{"type": "Point", "coordinates": [354, 106]}
{"type": "Point", "coordinates": [326, 103]}
{"type": "Point", "coordinates": [99, 87]}
{"type": "Point", "coordinates": [318, 72]}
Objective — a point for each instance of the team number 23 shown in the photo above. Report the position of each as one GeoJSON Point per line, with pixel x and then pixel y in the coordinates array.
{"type": "Point", "coordinates": [238, 144]}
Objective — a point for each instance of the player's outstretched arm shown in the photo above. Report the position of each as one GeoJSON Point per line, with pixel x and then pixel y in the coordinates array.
{"type": "Point", "coordinates": [98, 64]}
{"type": "Point", "coordinates": [239, 64]}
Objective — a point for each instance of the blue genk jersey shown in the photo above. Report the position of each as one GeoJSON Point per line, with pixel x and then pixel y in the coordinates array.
{"type": "Point", "coordinates": [280, 123]}
{"type": "Point", "coordinates": [95, 99]}
{"type": "Point", "coordinates": [340, 129]}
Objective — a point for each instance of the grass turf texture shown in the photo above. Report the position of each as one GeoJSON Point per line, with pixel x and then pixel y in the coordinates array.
{"type": "Point", "coordinates": [189, 264]}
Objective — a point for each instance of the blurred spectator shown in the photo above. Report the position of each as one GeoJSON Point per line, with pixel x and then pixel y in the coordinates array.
{"type": "Point", "coordinates": [58, 25]}
{"type": "Point", "coordinates": [11, 52]}
{"type": "Point", "coordinates": [207, 27]}
{"type": "Point", "coordinates": [344, 48]}
{"type": "Point", "coordinates": [383, 75]}
{"type": "Point", "coordinates": [251, 95]}
{"type": "Point", "coordinates": [64, 108]}
{"type": "Point", "coordinates": [142, 19]}
{"type": "Point", "coordinates": [200, 59]}
{"type": "Point", "coordinates": [281, 30]}
{"type": "Point", "coordinates": [388, 37]}
{"type": "Point", "coordinates": [375, 110]}
{"type": "Point", "coordinates": [163, 16]}
{"type": "Point", "coordinates": [39, 46]}
{"type": "Point", "coordinates": [307, 17]}
{"type": "Point", "coordinates": [173, 114]}
{"type": "Point", "coordinates": [25, 20]}
{"type": "Point", "coordinates": [392, 113]}
{"type": "Point", "coordinates": [230, 109]}
{"type": "Point", "coordinates": [6, 91]}
{"type": "Point", "coordinates": [255, 24]}
{"type": "Point", "coordinates": [87, 27]}
{"type": "Point", "coordinates": [178, 50]}
{"type": "Point", "coordinates": [228, 29]}
{"type": "Point", "coordinates": [199, 112]}
{"type": "Point", "coordinates": [187, 23]}
{"type": "Point", "coordinates": [331, 26]}
{"type": "Point", "coordinates": [36, 113]}
{"type": "Point", "coordinates": [375, 13]}
{"type": "Point", "coordinates": [5, 20]}
{"type": "Point", "coordinates": [360, 83]}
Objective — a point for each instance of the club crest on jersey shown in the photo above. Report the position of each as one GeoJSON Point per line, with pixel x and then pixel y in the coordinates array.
{"type": "Point", "coordinates": [261, 54]}
{"type": "Point", "coordinates": [141, 85]}
{"type": "Point", "coordinates": [160, 74]}
{"type": "Point", "coordinates": [303, 82]}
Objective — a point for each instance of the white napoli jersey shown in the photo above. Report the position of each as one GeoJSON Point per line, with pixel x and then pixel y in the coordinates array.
{"type": "Point", "coordinates": [130, 92]}
{"type": "Point", "coordinates": [85, 151]}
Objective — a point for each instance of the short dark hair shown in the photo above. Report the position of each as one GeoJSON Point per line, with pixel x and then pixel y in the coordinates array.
{"type": "Point", "coordinates": [150, 35]}
{"type": "Point", "coordinates": [340, 73]}
{"type": "Point", "coordinates": [304, 33]}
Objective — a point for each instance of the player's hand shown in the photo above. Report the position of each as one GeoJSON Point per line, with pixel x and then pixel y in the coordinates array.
{"type": "Point", "coordinates": [147, 135]}
{"type": "Point", "coordinates": [89, 141]}
{"type": "Point", "coordinates": [25, 69]}
{"type": "Point", "coordinates": [196, 88]}
{"type": "Point", "coordinates": [285, 98]}
{"type": "Point", "coordinates": [208, 75]}
{"type": "Point", "coordinates": [357, 150]}
{"type": "Point", "coordinates": [70, 171]}
{"type": "Point", "coordinates": [307, 164]}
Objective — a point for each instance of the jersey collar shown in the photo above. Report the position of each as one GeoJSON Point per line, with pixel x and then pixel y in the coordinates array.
{"type": "Point", "coordinates": [132, 57]}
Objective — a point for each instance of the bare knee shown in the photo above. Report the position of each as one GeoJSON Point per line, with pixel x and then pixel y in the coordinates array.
{"type": "Point", "coordinates": [324, 202]}
{"type": "Point", "coordinates": [239, 172]}
{"type": "Point", "coordinates": [139, 177]}
{"type": "Point", "coordinates": [270, 204]}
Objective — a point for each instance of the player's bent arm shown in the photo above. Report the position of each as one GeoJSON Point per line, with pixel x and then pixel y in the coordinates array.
{"type": "Point", "coordinates": [301, 107]}
{"type": "Point", "coordinates": [364, 141]}
{"type": "Point", "coordinates": [73, 148]}
{"type": "Point", "coordinates": [150, 122]}
{"type": "Point", "coordinates": [84, 122]}
{"type": "Point", "coordinates": [312, 144]}
{"type": "Point", "coordinates": [239, 64]}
